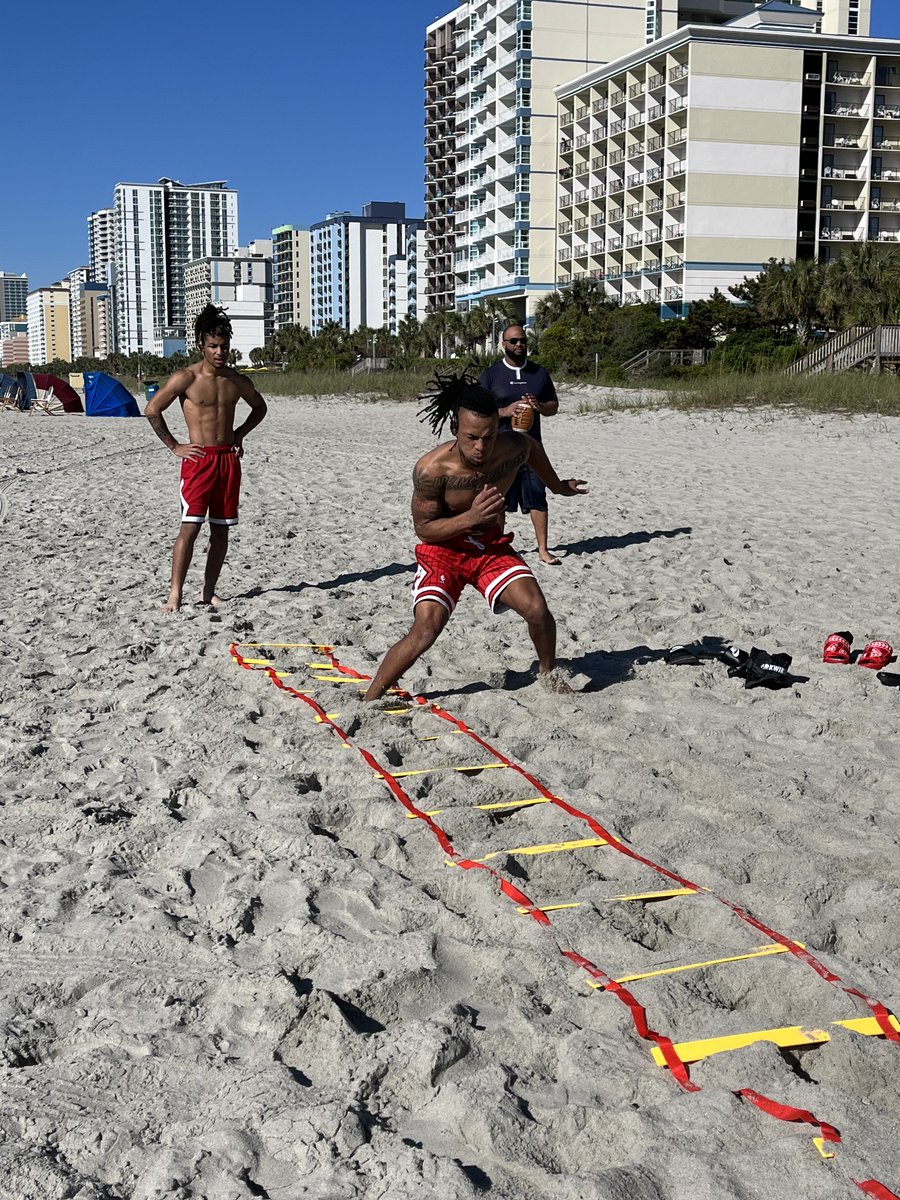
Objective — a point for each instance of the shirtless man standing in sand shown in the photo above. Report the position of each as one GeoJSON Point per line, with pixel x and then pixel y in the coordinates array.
{"type": "Point", "coordinates": [458, 511]}
{"type": "Point", "coordinates": [211, 459]}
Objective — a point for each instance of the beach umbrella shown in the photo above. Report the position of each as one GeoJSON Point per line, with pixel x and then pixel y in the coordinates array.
{"type": "Point", "coordinates": [63, 392]}
{"type": "Point", "coordinates": [106, 397]}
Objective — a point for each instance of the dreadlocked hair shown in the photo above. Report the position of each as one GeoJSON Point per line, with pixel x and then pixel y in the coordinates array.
{"type": "Point", "coordinates": [448, 392]}
{"type": "Point", "coordinates": [213, 322]}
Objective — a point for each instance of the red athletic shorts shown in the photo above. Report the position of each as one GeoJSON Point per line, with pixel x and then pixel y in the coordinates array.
{"type": "Point", "coordinates": [211, 484]}
{"type": "Point", "coordinates": [483, 560]}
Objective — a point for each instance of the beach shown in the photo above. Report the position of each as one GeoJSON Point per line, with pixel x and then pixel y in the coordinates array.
{"type": "Point", "coordinates": [235, 965]}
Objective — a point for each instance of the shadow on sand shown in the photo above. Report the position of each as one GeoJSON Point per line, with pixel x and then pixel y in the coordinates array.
{"type": "Point", "coordinates": [601, 543]}
{"type": "Point", "coordinates": [339, 581]}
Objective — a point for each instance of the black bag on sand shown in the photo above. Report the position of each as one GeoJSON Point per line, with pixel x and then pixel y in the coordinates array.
{"type": "Point", "coordinates": [764, 670]}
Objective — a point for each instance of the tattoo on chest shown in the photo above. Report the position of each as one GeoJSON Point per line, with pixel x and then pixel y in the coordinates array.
{"type": "Point", "coordinates": [433, 487]}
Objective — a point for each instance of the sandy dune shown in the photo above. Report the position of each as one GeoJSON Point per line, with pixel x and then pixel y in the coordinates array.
{"type": "Point", "coordinates": [234, 967]}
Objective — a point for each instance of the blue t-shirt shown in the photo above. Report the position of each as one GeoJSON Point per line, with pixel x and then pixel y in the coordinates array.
{"type": "Point", "coordinates": [508, 384]}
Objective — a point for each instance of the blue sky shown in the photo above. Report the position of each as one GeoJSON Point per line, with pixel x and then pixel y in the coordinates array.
{"type": "Point", "coordinates": [304, 107]}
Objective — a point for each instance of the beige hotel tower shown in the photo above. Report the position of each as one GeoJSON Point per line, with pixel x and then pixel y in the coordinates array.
{"type": "Point", "coordinates": [666, 148]}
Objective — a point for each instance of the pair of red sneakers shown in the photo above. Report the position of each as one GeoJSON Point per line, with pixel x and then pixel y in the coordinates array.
{"type": "Point", "coordinates": [875, 655]}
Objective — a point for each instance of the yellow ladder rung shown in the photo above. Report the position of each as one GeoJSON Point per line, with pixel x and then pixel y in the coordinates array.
{"type": "Point", "coordinates": [435, 812]}
{"type": "Point", "coordinates": [548, 848]}
{"type": "Point", "coordinates": [551, 907]}
{"type": "Point", "coordinates": [668, 894]}
{"type": "Point", "coordinates": [762, 952]}
{"type": "Point", "coordinates": [868, 1026]}
{"type": "Point", "coordinates": [429, 770]}
{"type": "Point", "coordinates": [787, 1038]}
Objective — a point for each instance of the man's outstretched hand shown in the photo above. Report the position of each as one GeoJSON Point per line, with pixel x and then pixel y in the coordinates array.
{"type": "Point", "coordinates": [573, 487]}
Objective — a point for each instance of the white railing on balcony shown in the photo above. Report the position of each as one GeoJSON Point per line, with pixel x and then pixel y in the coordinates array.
{"type": "Point", "coordinates": [675, 168]}
{"type": "Point", "coordinates": [843, 204]}
{"type": "Point", "coordinates": [653, 233]}
{"type": "Point", "coordinates": [830, 234]}
{"type": "Point", "coordinates": [677, 104]}
{"type": "Point", "coordinates": [885, 175]}
{"type": "Point", "coordinates": [674, 293]}
{"type": "Point", "coordinates": [885, 205]}
{"type": "Point", "coordinates": [845, 173]}
{"type": "Point", "coordinates": [887, 110]}
{"type": "Point", "coordinates": [614, 244]}
{"type": "Point", "coordinates": [888, 235]}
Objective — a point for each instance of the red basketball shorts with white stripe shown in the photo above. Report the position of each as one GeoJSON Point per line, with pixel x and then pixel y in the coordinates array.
{"type": "Point", "coordinates": [211, 484]}
{"type": "Point", "coordinates": [482, 560]}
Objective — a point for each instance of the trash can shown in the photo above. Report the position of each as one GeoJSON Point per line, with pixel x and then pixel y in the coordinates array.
{"type": "Point", "coordinates": [151, 387]}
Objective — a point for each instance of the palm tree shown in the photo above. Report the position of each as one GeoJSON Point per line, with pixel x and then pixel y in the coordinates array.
{"type": "Point", "coordinates": [440, 331]}
{"type": "Point", "coordinates": [862, 286]}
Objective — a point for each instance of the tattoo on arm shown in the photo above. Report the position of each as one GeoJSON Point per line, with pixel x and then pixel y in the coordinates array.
{"type": "Point", "coordinates": [426, 487]}
{"type": "Point", "coordinates": [159, 427]}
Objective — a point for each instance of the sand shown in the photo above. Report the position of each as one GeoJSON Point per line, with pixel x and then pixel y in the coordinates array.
{"type": "Point", "coordinates": [233, 967]}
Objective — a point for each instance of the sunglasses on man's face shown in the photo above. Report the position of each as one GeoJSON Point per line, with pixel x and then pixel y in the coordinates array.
{"type": "Point", "coordinates": [516, 341]}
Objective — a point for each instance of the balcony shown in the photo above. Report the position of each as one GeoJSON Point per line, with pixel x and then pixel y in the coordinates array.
{"type": "Point", "coordinates": [855, 110]}
{"type": "Point", "coordinates": [634, 239]}
{"type": "Point", "coordinates": [675, 168]}
{"type": "Point", "coordinates": [652, 266]}
{"type": "Point", "coordinates": [615, 214]}
{"type": "Point", "coordinates": [673, 232]}
{"type": "Point", "coordinates": [654, 205]}
{"type": "Point", "coordinates": [600, 105]}
{"type": "Point", "coordinates": [617, 127]}
{"type": "Point", "coordinates": [580, 197]}
{"type": "Point", "coordinates": [838, 76]}
{"type": "Point", "coordinates": [676, 105]}
{"type": "Point", "coordinates": [598, 191]}
{"type": "Point", "coordinates": [636, 119]}
{"type": "Point", "coordinates": [654, 174]}
{"type": "Point", "coordinates": [614, 243]}
{"type": "Point", "coordinates": [883, 110]}
{"type": "Point", "coordinates": [673, 293]}
{"type": "Point", "coordinates": [596, 248]}
{"type": "Point", "coordinates": [829, 234]}
{"type": "Point", "coordinates": [651, 296]}
{"type": "Point", "coordinates": [846, 173]}
{"type": "Point", "coordinates": [679, 72]}
{"type": "Point", "coordinates": [885, 205]}
{"type": "Point", "coordinates": [655, 111]}
{"type": "Point", "coordinates": [673, 263]}
{"type": "Point", "coordinates": [653, 233]}
{"type": "Point", "coordinates": [655, 82]}
{"type": "Point", "coordinates": [888, 235]}
{"type": "Point", "coordinates": [889, 175]}
{"type": "Point", "coordinates": [582, 140]}
{"type": "Point", "coordinates": [634, 210]}
{"type": "Point", "coordinates": [635, 181]}
{"type": "Point", "coordinates": [842, 204]}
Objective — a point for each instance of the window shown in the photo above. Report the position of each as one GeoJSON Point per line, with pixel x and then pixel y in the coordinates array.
{"type": "Point", "coordinates": [523, 39]}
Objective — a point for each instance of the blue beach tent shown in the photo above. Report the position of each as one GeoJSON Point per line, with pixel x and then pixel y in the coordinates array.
{"type": "Point", "coordinates": [106, 397]}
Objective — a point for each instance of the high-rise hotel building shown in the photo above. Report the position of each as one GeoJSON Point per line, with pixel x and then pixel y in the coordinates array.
{"type": "Point", "coordinates": [495, 72]}
{"type": "Point", "coordinates": [158, 229]}
{"type": "Point", "coordinates": [689, 162]}
{"type": "Point", "coordinates": [490, 131]}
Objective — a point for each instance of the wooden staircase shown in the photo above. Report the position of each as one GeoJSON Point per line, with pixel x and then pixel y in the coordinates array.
{"type": "Point", "coordinates": [641, 363]}
{"type": "Point", "coordinates": [857, 348]}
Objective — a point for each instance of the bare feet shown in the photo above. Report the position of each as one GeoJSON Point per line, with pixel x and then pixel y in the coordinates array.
{"type": "Point", "coordinates": [555, 681]}
{"type": "Point", "coordinates": [204, 598]}
{"type": "Point", "coordinates": [173, 603]}
{"type": "Point", "coordinates": [550, 559]}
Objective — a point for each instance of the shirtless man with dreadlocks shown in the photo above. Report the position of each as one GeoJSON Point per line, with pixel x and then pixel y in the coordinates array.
{"type": "Point", "coordinates": [458, 508]}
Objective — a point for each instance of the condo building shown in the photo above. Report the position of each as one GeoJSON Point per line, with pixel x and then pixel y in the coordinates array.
{"type": "Point", "coordinates": [290, 267]}
{"type": "Point", "coordinates": [158, 229]}
{"type": "Point", "coordinates": [13, 296]}
{"type": "Point", "coordinates": [13, 343]}
{"type": "Point", "coordinates": [490, 130]}
{"type": "Point", "coordinates": [494, 72]}
{"type": "Point", "coordinates": [48, 324]}
{"type": "Point", "coordinates": [688, 163]}
{"type": "Point", "coordinates": [242, 285]}
{"type": "Point", "coordinates": [364, 270]}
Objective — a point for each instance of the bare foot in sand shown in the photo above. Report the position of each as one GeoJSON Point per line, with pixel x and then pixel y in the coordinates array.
{"type": "Point", "coordinates": [550, 559]}
{"type": "Point", "coordinates": [555, 681]}
{"type": "Point", "coordinates": [173, 603]}
{"type": "Point", "coordinates": [214, 600]}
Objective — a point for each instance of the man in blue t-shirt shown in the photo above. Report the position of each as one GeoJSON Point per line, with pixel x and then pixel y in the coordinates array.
{"type": "Point", "coordinates": [515, 383]}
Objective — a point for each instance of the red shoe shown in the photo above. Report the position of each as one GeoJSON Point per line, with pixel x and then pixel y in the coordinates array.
{"type": "Point", "coordinates": [837, 648]}
{"type": "Point", "coordinates": [876, 655]}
